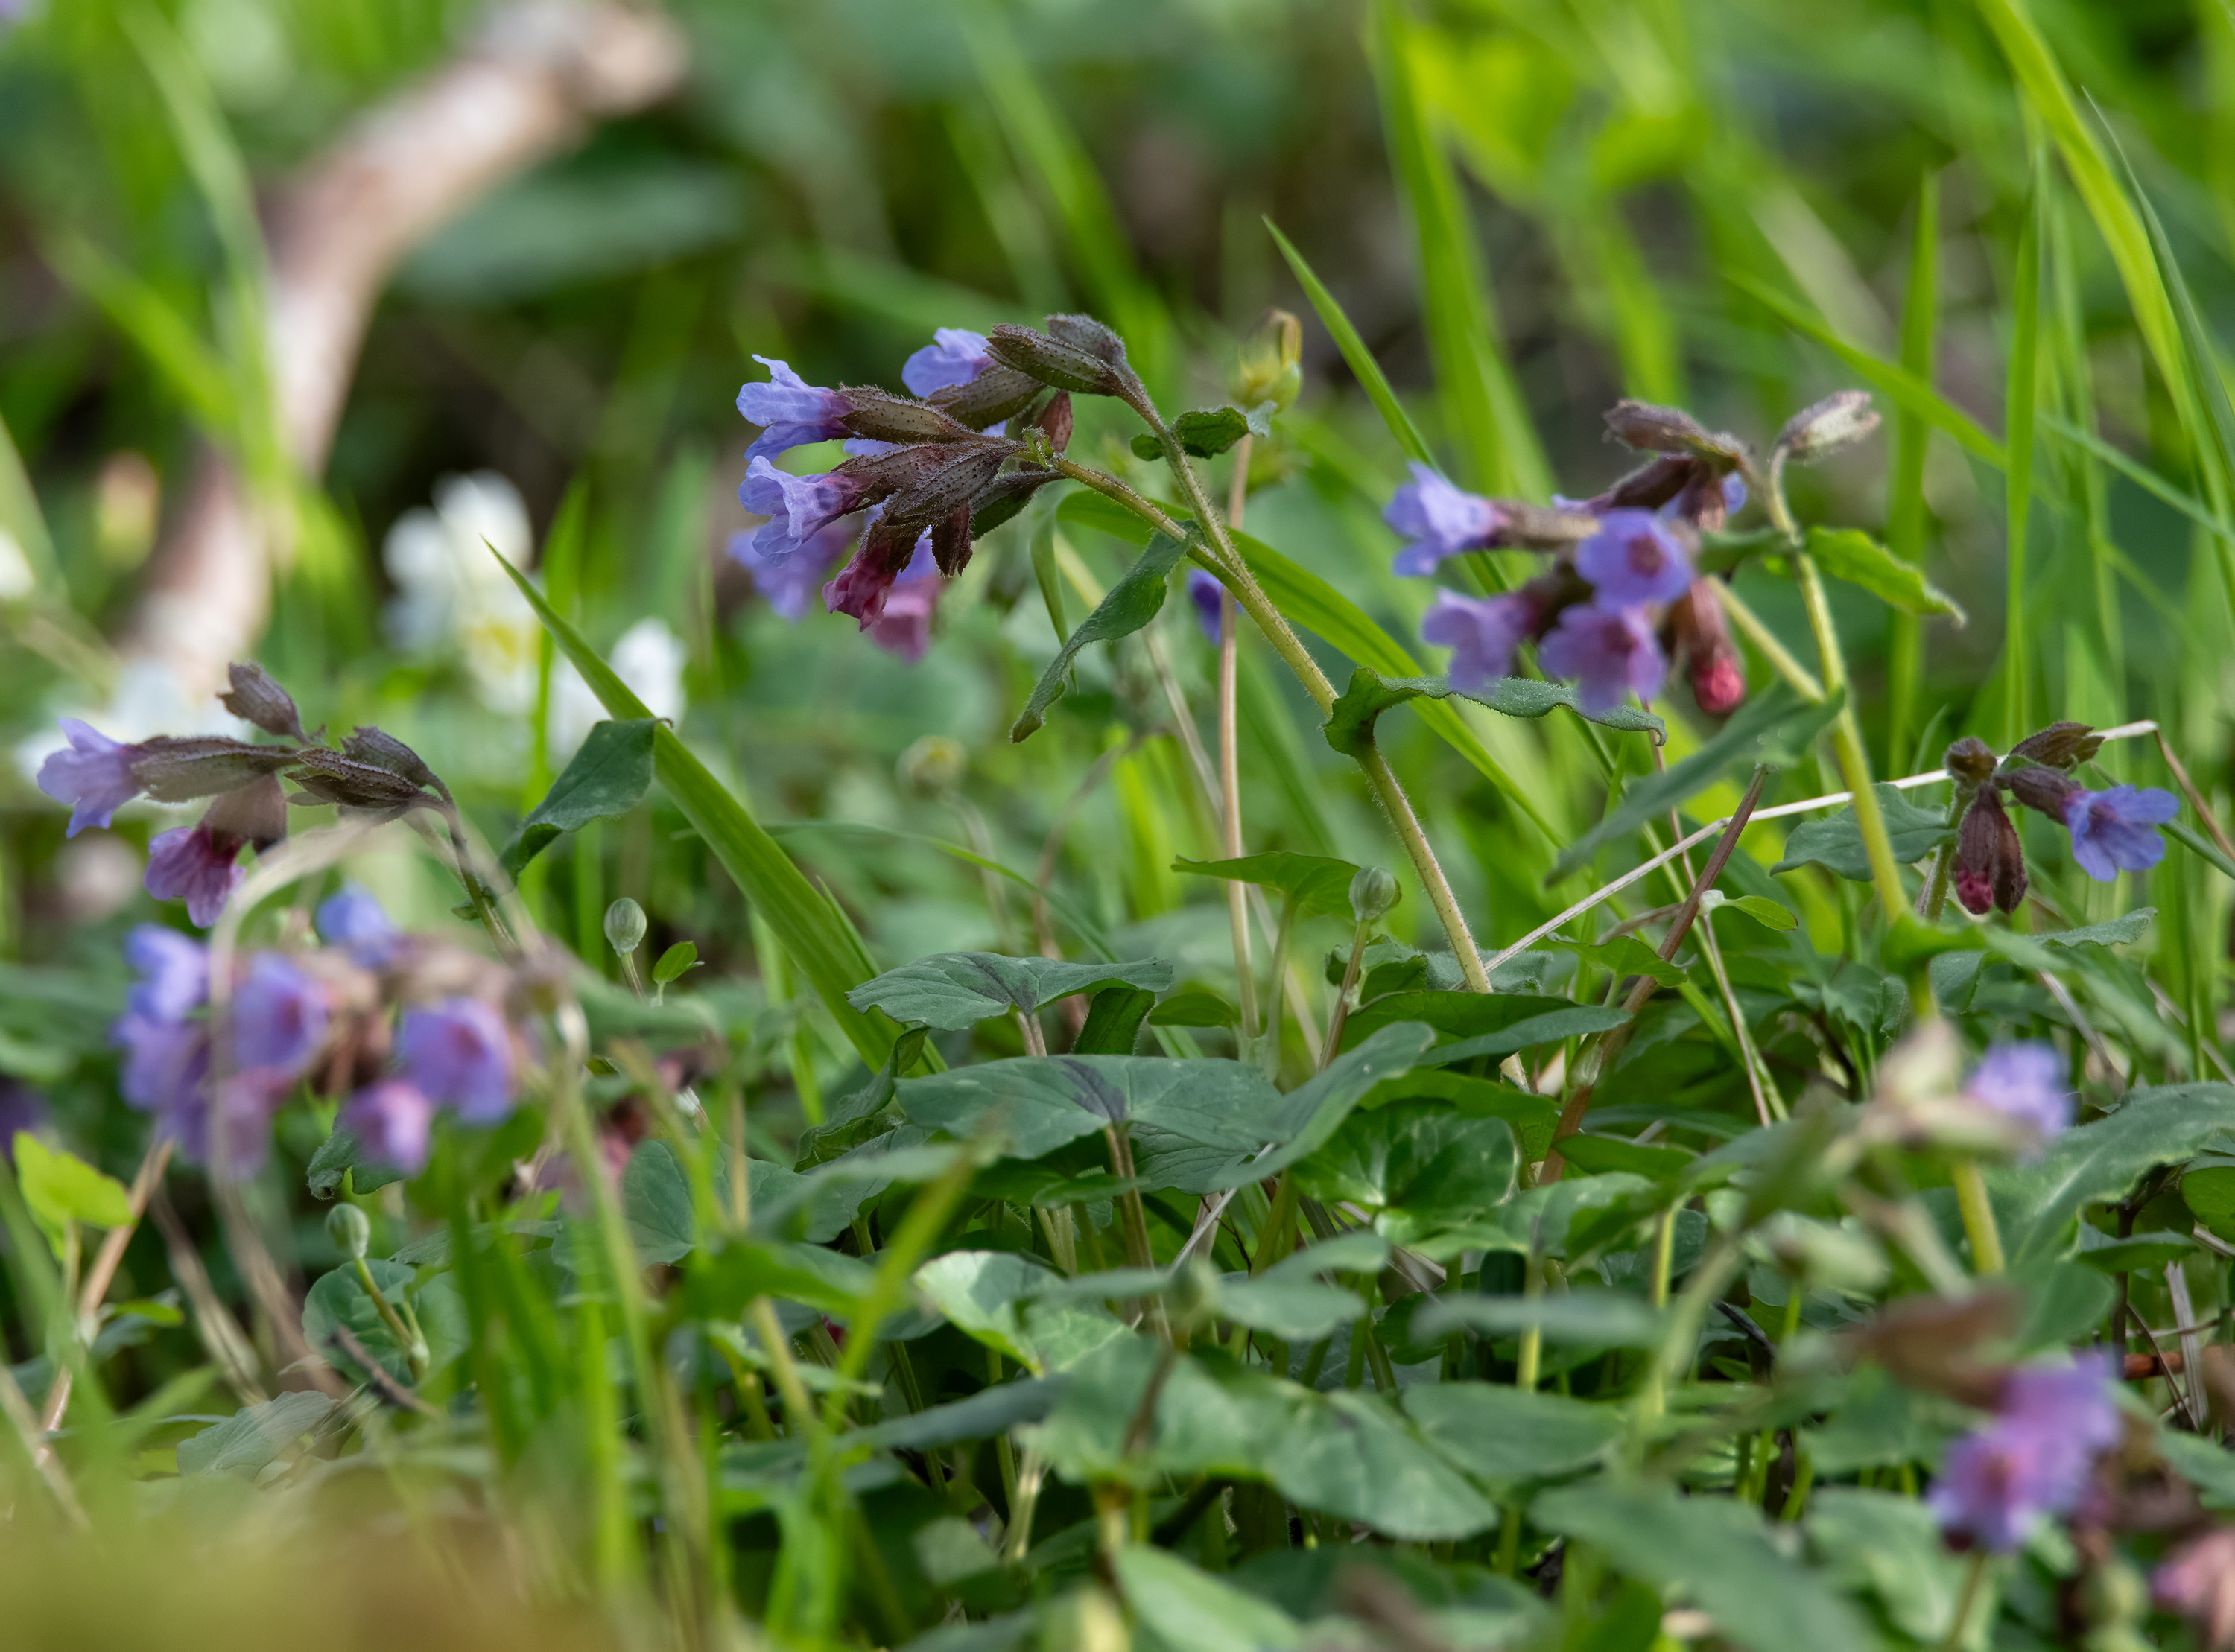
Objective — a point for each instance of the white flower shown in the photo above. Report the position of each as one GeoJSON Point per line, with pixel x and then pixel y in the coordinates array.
{"type": "Point", "coordinates": [451, 595]}
{"type": "Point", "coordinates": [649, 658]}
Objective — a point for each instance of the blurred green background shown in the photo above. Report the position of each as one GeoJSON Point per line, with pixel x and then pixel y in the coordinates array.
{"type": "Point", "coordinates": [1528, 209]}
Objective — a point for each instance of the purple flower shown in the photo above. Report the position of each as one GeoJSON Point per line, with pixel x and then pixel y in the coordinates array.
{"type": "Point", "coordinates": [789, 580]}
{"type": "Point", "coordinates": [392, 1121]}
{"type": "Point", "coordinates": [798, 507]}
{"type": "Point", "coordinates": [2034, 1458]}
{"type": "Point", "coordinates": [1610, 652]}
{"type": "Point", "coordinates": [955, 356]}
{"type": "Point", "coordinates": [790, 411]}
{"type": "Point", "coordinates": [21, 1109]}
{"type": "Point", "coordinates": [93, 774]}
{"type": "Point", "coordinates": [242, 1109]}
{"type": "Point", "coordinates": [173, 973]}
{"type": "Point", "coordinates": [195, 865]}
{"type": "Point", "coordinates": [354, 920]}
{"type": "Point", "coordinates": [1205, 592]}
{"type": "Point", "coordinates": [278, 1018]}
{"type": "Point", "coordinates": [2116, 830]}
{"type": "Point", "coordinates": [1633, 559]}
{"type": "Point", "coordinates": [904, 627]}
{"type": "Point", "coordinates": [1437, 520]}
{"type": "Point", "coordinates": [1481, 633]}
{"type": "Point", "coordinates": [165, 1061]}
{"type": "Point", "coordinates": [458, 1054]}
{"type": "Point", "coordinates": [2024, 1082]}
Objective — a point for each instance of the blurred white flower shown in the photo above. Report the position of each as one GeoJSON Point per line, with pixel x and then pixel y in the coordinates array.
{"type": "Point", "coordinates": [452, 597]}
{"type": "Point", "coordinates": [649, 658]}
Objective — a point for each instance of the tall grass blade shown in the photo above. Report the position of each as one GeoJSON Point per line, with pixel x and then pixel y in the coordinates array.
{"type": "Point", "coordinates": [2017, 438]}
{"type": "Point", "coordinates": [1905, 507]}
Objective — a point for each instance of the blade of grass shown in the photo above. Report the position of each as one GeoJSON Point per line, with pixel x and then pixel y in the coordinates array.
{"type": "Point", "coordinates": [814, 934]}
{"type": "Point", "coordinates": [1905, 507]}
{"type": "Point", "coordinates": [2017, 437]}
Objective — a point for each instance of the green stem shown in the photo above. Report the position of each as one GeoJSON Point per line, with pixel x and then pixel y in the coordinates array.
{"type": "Point", "coordinates": [1973, 1575]}
{"type": "Point", "coordinates": [1531, 1352]}
{"type": "Point", "coordinates": [1847, 745]}
{"type": "Point", "coordinates": [1229, 818]}
{"type": "Point", "coordinates": [1978, 1217]}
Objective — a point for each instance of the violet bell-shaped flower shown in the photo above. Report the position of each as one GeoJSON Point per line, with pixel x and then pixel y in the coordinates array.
{"type": "Point", "coordinates": [392, 1121]}
{"type": "Point", "coordinates": [1633, 558]}
{"type": "Point", "coordinates": [166, 1062]}
{"type": "Point", "coordinates": [789, 581]}
{"type": "Point", "coordinates": [903, 628]}
{"type": "Point", "coordinates": [1437, 520]}
{"type": "Point", "coordinates": [354, 920]}
{"type": "Point", "coordinates": [954, 357]}
{"type": "Point", "coordinates": [93, 774]}
{"type": "Point", "coordinates": [173, 972]}
{"type": "Point", "coordinates": [790, 412]}
{"type": "Point", "coordinates": [1205, 593]}
{"type": "Point", "coordinates": [458, 1054]}
{"type": "Point", "coordinates": [1611, 653]}
{"type": "Point", "coordinates": [278, 1018]}
{"type": "Point", "coordinates": [196, 865]}
{"type": "Point", "coordinates": [2035, 1458]}
{"type": "Point", "coordinates": [2023, 1082]}
{"type": "Point", "coordinates": [2116, 831]}
{"type": "Point", "coordinates": [798, 507]}
{"type": "Point", "coordinates": [1482, 633]}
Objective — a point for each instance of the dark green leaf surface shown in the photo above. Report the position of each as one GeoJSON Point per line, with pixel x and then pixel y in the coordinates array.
{"type": "Point", "coordinates": [953, 990]}
{"type": "Point", "coordinates": [608, 776]}
{"type": "Point", "coordinates": [1131, 602]}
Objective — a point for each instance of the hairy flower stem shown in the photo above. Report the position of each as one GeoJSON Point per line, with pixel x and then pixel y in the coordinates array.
{"type": "Point", "coordinates": [1226, 563]}
{"type": "Point", "coordinates": [1229, 779]}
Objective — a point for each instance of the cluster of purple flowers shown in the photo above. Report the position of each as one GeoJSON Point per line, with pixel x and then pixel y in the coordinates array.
{"type": "Point", "coordinates": [2035, 1458]}
{"type": "Point", "coordinates": [316, 1016]}
{"type": "Point", "coordinates": [2114, 829]}
{"type": "Point", "coordinates": [808, 533]}
{"type": "Point", "coordinates": [1621, 593]}
{"type": "Point", "coordinates": [2023, 1082]}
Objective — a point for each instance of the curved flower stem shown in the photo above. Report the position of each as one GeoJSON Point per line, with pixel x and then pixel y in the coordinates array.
{"type": "Point", "coordinates": [1846, 730]}
{"type": "Point", "coordinates": [1225, 562]}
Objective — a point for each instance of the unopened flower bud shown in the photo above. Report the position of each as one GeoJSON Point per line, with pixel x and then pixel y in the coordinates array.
{"type": "Point", "coordinates": [1373, 892]}
{"type": "Point", "coordinates": [934, 765]}
{"type": "Point", "coordinates": [1970, 761]}
{"type": "Point", "coordinates": [2045, 789]}
{"type": "Point", "coordinates": [2061, 745]}
{"type": "Point", "coordinates": [1052, 362]}
{"type": "Point", "coordinates": [1671, 430]}
{"type": "Point", "coordinates": [1989, 861]}
{"type": "Point", "coordinates": [1840, 420]}
{"type": "Point", "coordinates": [351, 1233]}
{"type": "Point", "coordinates": [1270, 361]}
{"type": "Point", "coordinates": [626, 925]}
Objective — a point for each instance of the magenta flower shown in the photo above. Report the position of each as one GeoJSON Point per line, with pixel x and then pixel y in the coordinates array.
{"type": "Point", "coordinates": [1437, 520]}
{"type": "Point", "coordinates": [789, 580]}
{"type": "Point", "coordinates": [1611, 653]}
{"type": "Point", "coordinates": [2117, 830]}
{"type": "Point", "coordinates": [1633, 559]}
{"type": "Point", "coordinates": [1481, 633]}
{"type": "Point", "coordinates": [278, 1018]}
{"type": "Point", "coordinates": [458, 1054]}
{"type": "Point", "coordinates": [195, 865]}
{"type": "Point", "coordinates": [354, 921]}
{"type": "Point", "coordinates": [790, 411]}
{"type": "Point", "coordinates": [903, 628]}
{"type": "Point", "coordinates": [392, 1121]}
{"type": "Point", "coordinates": [174, 971]}
{"type": "Point", "coordinates": [1205, 592]}
{"type": "Point", "coordinates": [2024, 1082]}
{"type": "Point", "coordinates": [2035, 1458]}
{"type": "Point", "coordinates": [955, 355]}
{"type": "Point", "coordinates": [93, 774]}
{"type": "Point", "coordinates": [798, 507]}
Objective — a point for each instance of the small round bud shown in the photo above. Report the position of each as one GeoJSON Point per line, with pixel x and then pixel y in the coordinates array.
{"type": "Point", "coordinates": [347, 1227]}
{"type": "Point", "coordinates": [1373, 892]}
{"type": "Point", "coordinates": [934, 765]}
{"type": "Point", "coordinates": [1840, 420]}
{"type": "Point", "coordinates": [624, 926]}
{"type": "Point", "coordinates": [1270, 361]}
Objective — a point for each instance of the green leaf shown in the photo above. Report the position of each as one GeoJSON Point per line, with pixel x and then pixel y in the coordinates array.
{"type": "Point", "coordinates": [1319, 883]}
{"type": "Point", "coordinates": [254, 1438]}
{"type": "Point", "coordinates": [2153, 1248]}
{"type": "Point", "coordinates": [682, 956]}
{"type": "Point", "coordinates": [1185, 1607]}
{"type": "Point", "coordinates": [1852, 555]}
{"type": "Point", "coordinates": [985, 1295]}
{"type": "Point", "coordinates": [1419, 1164]}
{"type": "Point", "coordinates": [1718, 1552]}
{"type": "Point", "coordinates": [2209, 1468]}
{"type": "Point", "coordinates": [1355, 355]}
{"type": "Point", "coordinates": [719, 1287]}
{"type": "Point", "coordinates": [989, 1412]}
{"type": "Point", "coordinates": [2210, 1193]}
{"type": "Point", "coordinates": [2197, 844]}
{"type": "Point", "coordinates": [1837, 843]}
{"type": "Point", "coordinates": [656, 1202]}
{"type": "Point", "coordinates": [1626, 956]}
{"type": "Point", "coordinates": [2117, 932]}
{"type": "Point", "coordinates": [814, 934]}
{"type": "Point", "coordinates": [1505, 1435]}
{"type": "Point", "coordinates": [341, 1156]}
{"type": "Point", "coordinates": [1580, 1021]}
{"type": "Point", "coordinates": [1131, 602]}
{"type": "Point", "coordinates": [2102, 1160]}
{"type": "Point", "coordinates": [1892, 1547]}
{"type": "Point", "coordinates": [1601, 1154]}
{"type": "Point", "coordinates": [1113, 1022]}
{"type": "Point", "coordinates": [1194, 1007]}
{"type": "Point", "coordinates": [1350, 721]}
{"type": "Point", "coordinates": [1592, 1317]}
{"type": "Point", "coordinates": [1765, 911]}
{"type": "Point", "coordinates": [60, 1188]}
{"type": "Point", "coordinates": [1454, 1014]}
{"type": "Point", "coordinates": [1309, 1116]}
{"type": "Point", "coordinates": [608, 776]}
{"type": "Point", "coordinates": [1206, 433]}
{"type": "Point", "coordinates": [953, 990]}
{"type": "Point", "coordinates": [1774, 729]}
{"type": "Point", "coordinates": [1295, 1310]}
{"type": "Point", "coordinates": [1036, 1103]}
{"type": "Point", "coordinates": [338, 1300]}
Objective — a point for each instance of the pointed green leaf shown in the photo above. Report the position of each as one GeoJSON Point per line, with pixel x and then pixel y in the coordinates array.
{"type": "Point", "coordinates": [1504, 1434]}
{"type": "Point", "coordinates": [1852, 555]}
{"type": "Point", "coordinates": [1131, 602]}
{"type": "Point", "coordinates": [1350, 721]}
{"type": "Point", "coordinates": [952, 990]}
{"type": "Point", "coordinates": [1185, 1607]}
{"type": "Point", "coordinates": [608, 776]}
{"type": "Point", "coordinates": [1317, 883]}
{"type": "Point", "coordinates": [1837, 843]}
